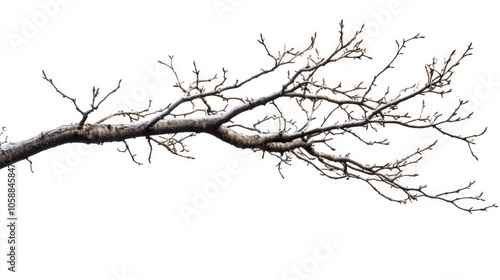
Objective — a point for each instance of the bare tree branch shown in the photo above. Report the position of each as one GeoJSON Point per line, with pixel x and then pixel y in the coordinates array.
{"type": "Point", "coordinates": [306, 117]}
{"type": "Point", "coordinates": [93, 106]}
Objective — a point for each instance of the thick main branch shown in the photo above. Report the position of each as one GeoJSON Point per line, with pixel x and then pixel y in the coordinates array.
{"type": "Point", "coordinates": [98, 134]}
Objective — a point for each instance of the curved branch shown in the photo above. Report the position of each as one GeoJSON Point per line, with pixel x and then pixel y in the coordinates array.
{"type": "Point", "coordinates": [305, 117]}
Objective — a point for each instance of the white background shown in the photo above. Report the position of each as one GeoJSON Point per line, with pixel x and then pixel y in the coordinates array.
{"type": "Point", "coordinates": [104, 217]}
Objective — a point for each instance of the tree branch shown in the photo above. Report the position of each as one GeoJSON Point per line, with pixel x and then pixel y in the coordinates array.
{"type": "Point", "coordinates": [305, 117]}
